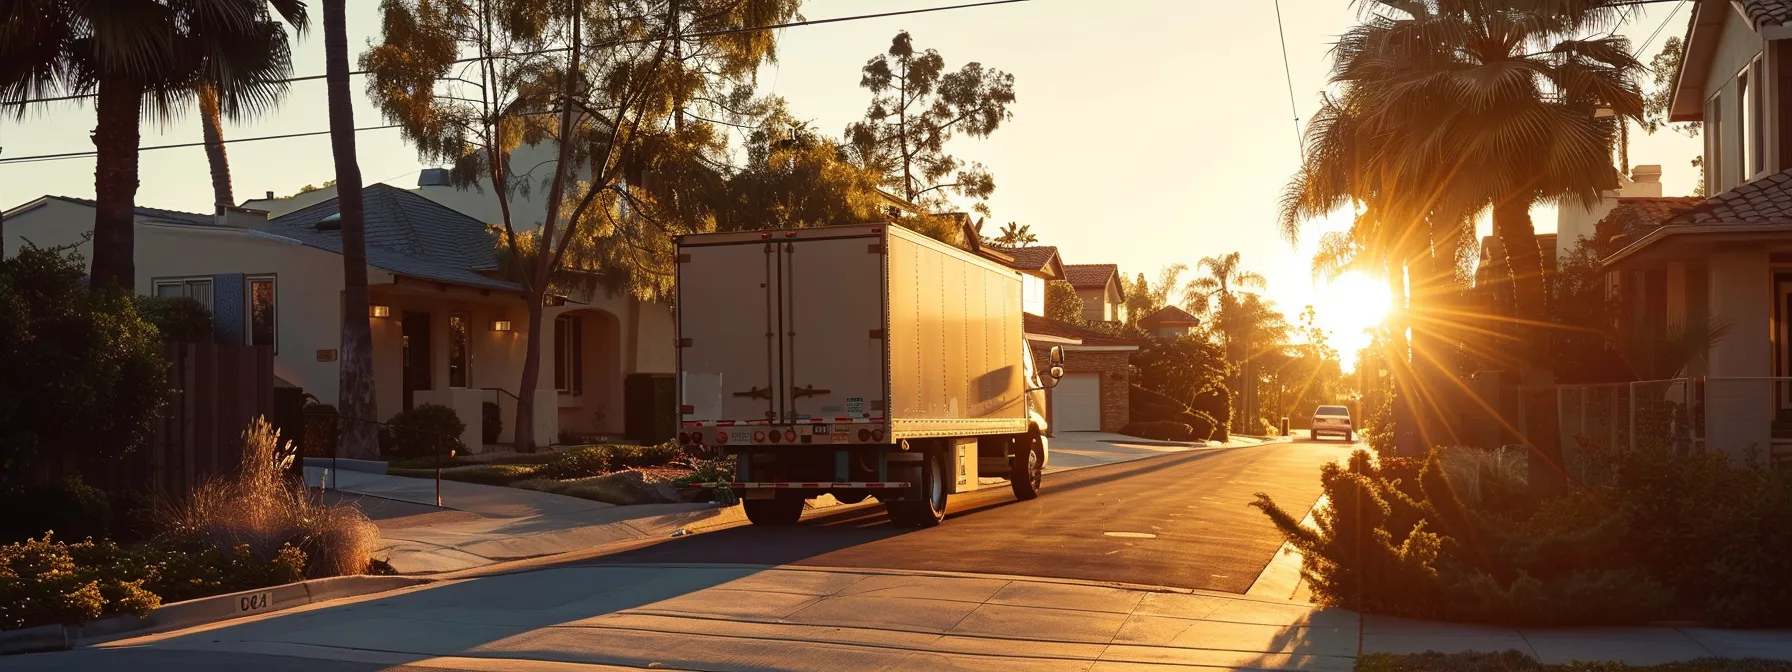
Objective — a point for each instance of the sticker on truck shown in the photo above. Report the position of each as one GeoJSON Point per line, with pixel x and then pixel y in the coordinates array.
{"type": "Point", "coordinates": [855, 405]}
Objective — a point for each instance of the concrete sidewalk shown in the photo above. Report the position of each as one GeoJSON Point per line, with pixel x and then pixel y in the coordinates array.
{"type": "Point", "coordinates": [720, 617]}
{"type": "Point", "coordinates": [483, 524]}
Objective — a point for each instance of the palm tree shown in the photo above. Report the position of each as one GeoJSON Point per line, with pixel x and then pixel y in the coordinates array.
{"type": "Point", "coordinates": [1223, 273]}
{"type": "Point", "coordinates": [356, 382]}
{"type": "Point", "coordinates": [1501, 101]}
{"type": "Point", "coordinates": [139, 57]}
{"type": "Point", "coordinates": [210, 119]}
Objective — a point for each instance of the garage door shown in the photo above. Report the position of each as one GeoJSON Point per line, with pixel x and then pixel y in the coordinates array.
{"type": "Point", "coordinates": [1076, 403]}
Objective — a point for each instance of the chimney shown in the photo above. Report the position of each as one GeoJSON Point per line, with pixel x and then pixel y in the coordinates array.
{"type": "Point", "coordinates": [270, 196]}
{"type": "Point", "coordinates": [433, 177]}
{"type": "Point", "coordinates": [1646, 181]}
{"type": "Point", "coordinates": [242, 218]}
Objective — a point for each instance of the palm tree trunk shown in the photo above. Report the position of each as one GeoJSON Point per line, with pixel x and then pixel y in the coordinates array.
{"type": "Point", "coordinates": [115, 139]}
{"type": "Point", "coordinates": [213, 130]}
{"type": "Point", "coordinates": [1512, 224]}
{"type": "Point", "coordinates": [356, 385]}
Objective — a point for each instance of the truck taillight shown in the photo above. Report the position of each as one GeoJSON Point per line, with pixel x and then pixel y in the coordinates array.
{"type": "Point", "coordinates": [877, 435]}
{"type": "Point", "coordinates": [722, 437]}
{"type": "Point", "coordinates": [759, 436]}
{"type": "Point", "coordinates": [775, 436]}
{"type": "Point", "coordinates": [864, 436]}
{"type": "Point", "coordinates": [790, 436]}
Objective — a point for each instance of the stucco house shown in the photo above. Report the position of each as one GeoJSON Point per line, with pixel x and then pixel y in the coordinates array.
{"type": "Point", "coordinates": [445, 329]}
{"type": "Point", "coordinates": [1728, 258]}
{"type": "Point", "coordinates": [1099, 287]}
{"type": "Point", "coordinates": [1039, 265]}
{"type": "Point", "coordinates": [1170, 322]}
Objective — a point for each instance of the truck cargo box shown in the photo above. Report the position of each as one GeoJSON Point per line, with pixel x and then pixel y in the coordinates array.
{"type": "Point", "coordinates": [823, 332]}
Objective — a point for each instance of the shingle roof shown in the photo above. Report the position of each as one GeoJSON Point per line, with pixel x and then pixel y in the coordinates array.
{"type": "Point", "coordinates": [1044, 326]}
{"type": "Point", "coordinates": [154, 214]}
{"type": "Point", "coordinates": [1764, 201]}
{"type": "Point", "coordinates": [1765, 13]}
{"type": "Point", "coordinates": [1031, 258]}
{"type": "Point", "coordinates": [1090, 276]}
{"type": "Point", "coordinates": [1168, 315]}
{"type": "Point", "coordinates": [406, 234]}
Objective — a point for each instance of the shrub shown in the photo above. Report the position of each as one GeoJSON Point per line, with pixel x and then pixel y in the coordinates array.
{"type": "Point", "coordinates": [491, 419]}
{"type": "Point", "coordinates": [178, 319]}
{"type": "Point", "coordinates": [95, 368]}
{"type": "Point", "coordinates": [599, 460]}
{"type": "Point", "coordinates": [423, 431]}
{"type": "Point", "coordinates": [1062, 303]}
{"type": "Point", "coordinates": [483, 474]}
{"type": "Point", "coordinates": [1161, 430]}
{"type": "Point", "coordinates": [259, 510]}
{"type": "Point", "coordinates": [69, 507]}
{"type": "Point", "coordinates": [322, 430]}
{"type": "Point", "coordinates": [1151, 407]}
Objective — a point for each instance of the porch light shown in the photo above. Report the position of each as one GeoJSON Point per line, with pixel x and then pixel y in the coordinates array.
{"type": "Point", "coordinates": [377, 310]}
{"type": "Point", "coordinates": [500, 325]}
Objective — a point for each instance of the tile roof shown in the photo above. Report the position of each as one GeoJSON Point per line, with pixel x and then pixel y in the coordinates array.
{"type": "Point", "coordinates": [1030, 258]}
{"type": "Point", "coordinates": [1764, 201]}
{"type": "Point", "coordinates": [1168, 315]}
{"type": "Point", "coordinates": [153, 214]}
{"type": "Point", "coordinates": [1044, 326]}
{"type": "Point", "coordinates": [1090, 276]}
{"type": "Point", "coordinates": [406, 234]}
{"type": "Point", "coordinates": [1765, 13]}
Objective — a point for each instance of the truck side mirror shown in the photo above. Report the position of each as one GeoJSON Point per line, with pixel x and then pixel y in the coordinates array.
{"type": "Point", "coordinates": [1056, 372]}
{"type": "Point", "coordinates": [1057, 358]}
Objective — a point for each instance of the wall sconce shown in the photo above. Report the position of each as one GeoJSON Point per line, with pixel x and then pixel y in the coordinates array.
{"type": "Point", "coordinates": [500, 325]}
{"type": "Point", "coordinates": [377, 310]}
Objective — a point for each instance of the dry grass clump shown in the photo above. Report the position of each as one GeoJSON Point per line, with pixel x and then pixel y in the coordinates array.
{"type": "Point", "coordinates": [260, 508]}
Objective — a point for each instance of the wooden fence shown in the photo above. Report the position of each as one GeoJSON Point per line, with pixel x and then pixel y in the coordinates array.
{"type": "Point", "coordinates": [218, 390]}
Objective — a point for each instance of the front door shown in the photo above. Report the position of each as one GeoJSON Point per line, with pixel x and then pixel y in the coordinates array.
{"type": "Point", "coordinates": [416, 355]}
{"type": "Point", "coordinates": [1782, 336]}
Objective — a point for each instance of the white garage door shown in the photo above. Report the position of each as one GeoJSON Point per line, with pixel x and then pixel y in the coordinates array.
{"type": "Point", "coordinates": [1076, 403]}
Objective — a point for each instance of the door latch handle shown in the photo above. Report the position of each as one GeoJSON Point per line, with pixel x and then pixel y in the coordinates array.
{"type": "Point", "coordinates": [756, 393]}
{"type": "Point", "coordinates": [807, 391]}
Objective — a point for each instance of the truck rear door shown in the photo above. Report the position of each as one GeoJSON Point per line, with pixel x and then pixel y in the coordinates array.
{"type": "Point", "coordinates": [727, 332]}
{"type": "Point", "coordinates": [833, 317]}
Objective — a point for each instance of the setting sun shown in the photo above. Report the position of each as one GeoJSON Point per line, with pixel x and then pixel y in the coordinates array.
{"type": "Point", "coordinates": [1347, 307]}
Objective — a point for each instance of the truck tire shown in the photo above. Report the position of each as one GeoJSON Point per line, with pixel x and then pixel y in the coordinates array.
{"type": "Point", "coordinates": [1026, 470]}
{"type": "Point", "coordinates": [928, 507]}
{"type": "Point", "coordinates": [1350, 437]}
{"type": "Point", "coordinates": [783, 510]}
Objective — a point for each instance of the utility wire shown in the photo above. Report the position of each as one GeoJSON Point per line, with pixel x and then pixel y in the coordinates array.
{"type": "Point", "coordinates": [1288, 72]}
{"type": "Point", "coordinates": [78, 155]}
{"type": "Point", "coordinates": [1664, 24]}
{"type": "Point", "coordinates": [618, 43]}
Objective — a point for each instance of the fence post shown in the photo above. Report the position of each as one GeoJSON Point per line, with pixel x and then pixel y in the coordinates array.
{"type": "Point", "coordinates": [1631, 440]}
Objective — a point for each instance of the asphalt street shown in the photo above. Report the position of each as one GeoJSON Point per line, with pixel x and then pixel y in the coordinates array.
{"type": "Point", "coordinates": [1181, 520]}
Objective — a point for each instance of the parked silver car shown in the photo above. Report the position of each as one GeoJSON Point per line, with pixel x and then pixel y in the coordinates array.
{"type": "Point", "coordinates": [1333, 420]}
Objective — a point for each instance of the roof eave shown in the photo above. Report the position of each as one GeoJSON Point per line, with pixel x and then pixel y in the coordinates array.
{"type": "Point", "coordinates": [1702, 33]}
{"type": "Point", "coordinates": [1665, 232]}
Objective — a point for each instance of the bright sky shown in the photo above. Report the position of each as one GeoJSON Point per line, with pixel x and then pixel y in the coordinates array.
{"type": "Point", "coordinates": [1146, 132]}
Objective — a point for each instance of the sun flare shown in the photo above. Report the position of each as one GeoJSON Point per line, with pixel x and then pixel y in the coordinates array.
{"type": "Point", "coordinates": [1347, 307]}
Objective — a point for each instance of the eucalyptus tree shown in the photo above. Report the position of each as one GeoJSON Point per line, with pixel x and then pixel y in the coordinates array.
{"type": "Point", "coordinates": [625, 91]}
{"type": "Point", "coordinates": [917, 106]}
{"type": "Point", "coordinates": [140, 58]}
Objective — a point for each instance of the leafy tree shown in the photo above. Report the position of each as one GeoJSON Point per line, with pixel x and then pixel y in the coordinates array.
{"type": "Point", "coordinates": [916, 108]}
{"type": "Point", "coordinates": [795, 178]}
{"type": "Point", "coordinates": [1663, 69]}
{"type": "Point", "coordinates": [355, 384]}
{"type": "Point", "coordinates": [1015, 235]}
{"type": "Point", "coordinates": [624, 90]}
{"type": "Point", "coordinates": [132, 53]}
{"type": "Point", "coordinates": [1062, 302]}
{"type": "Point", "coordinates": [95, 368]}
{"type": "Point", "coordinates": [1139, 303]}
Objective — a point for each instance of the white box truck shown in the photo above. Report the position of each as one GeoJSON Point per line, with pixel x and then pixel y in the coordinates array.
{"type": "Point", "coordinates": [856, 361]}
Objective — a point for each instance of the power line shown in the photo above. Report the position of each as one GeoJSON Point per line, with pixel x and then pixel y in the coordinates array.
{"type": "Point", "coordinates": [618, 43]}
{"type": "Point", "coordinates": [1288, 72]}
{"type": "Point", "coordinates": [1664, 24]}
{"type": "Point", "coordinates": [79, 155]}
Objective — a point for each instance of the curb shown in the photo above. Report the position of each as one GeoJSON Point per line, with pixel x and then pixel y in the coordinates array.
{"type": "Point", "coordinates": [1281, 579]}
{"type": "Point", "coordinates": [202, 611]}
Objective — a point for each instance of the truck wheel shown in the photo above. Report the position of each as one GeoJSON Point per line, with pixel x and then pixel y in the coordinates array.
{"type": "Point", "coordinates": [1026, 470]}
{"type": "Point", "coordinates": [929, 506]}
{"type": "Point", "coordinates": [783, 510]}
{"type": "Point", "coordinates": [1350, 437]}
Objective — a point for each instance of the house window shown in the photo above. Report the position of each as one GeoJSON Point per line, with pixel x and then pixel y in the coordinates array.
{"type": "Point", "coordinates": [569, 358]}
{"type": "Point", "coordinates": [1714, 145]}
{"type": "Point", "coordinates": [199, 289]}
{"type": "Point", "coordinates": [261, 314]}
{"type": "Point", "coordinates": [459, 348]}
{"type": "Point", "coordinates": [1754, 139]}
